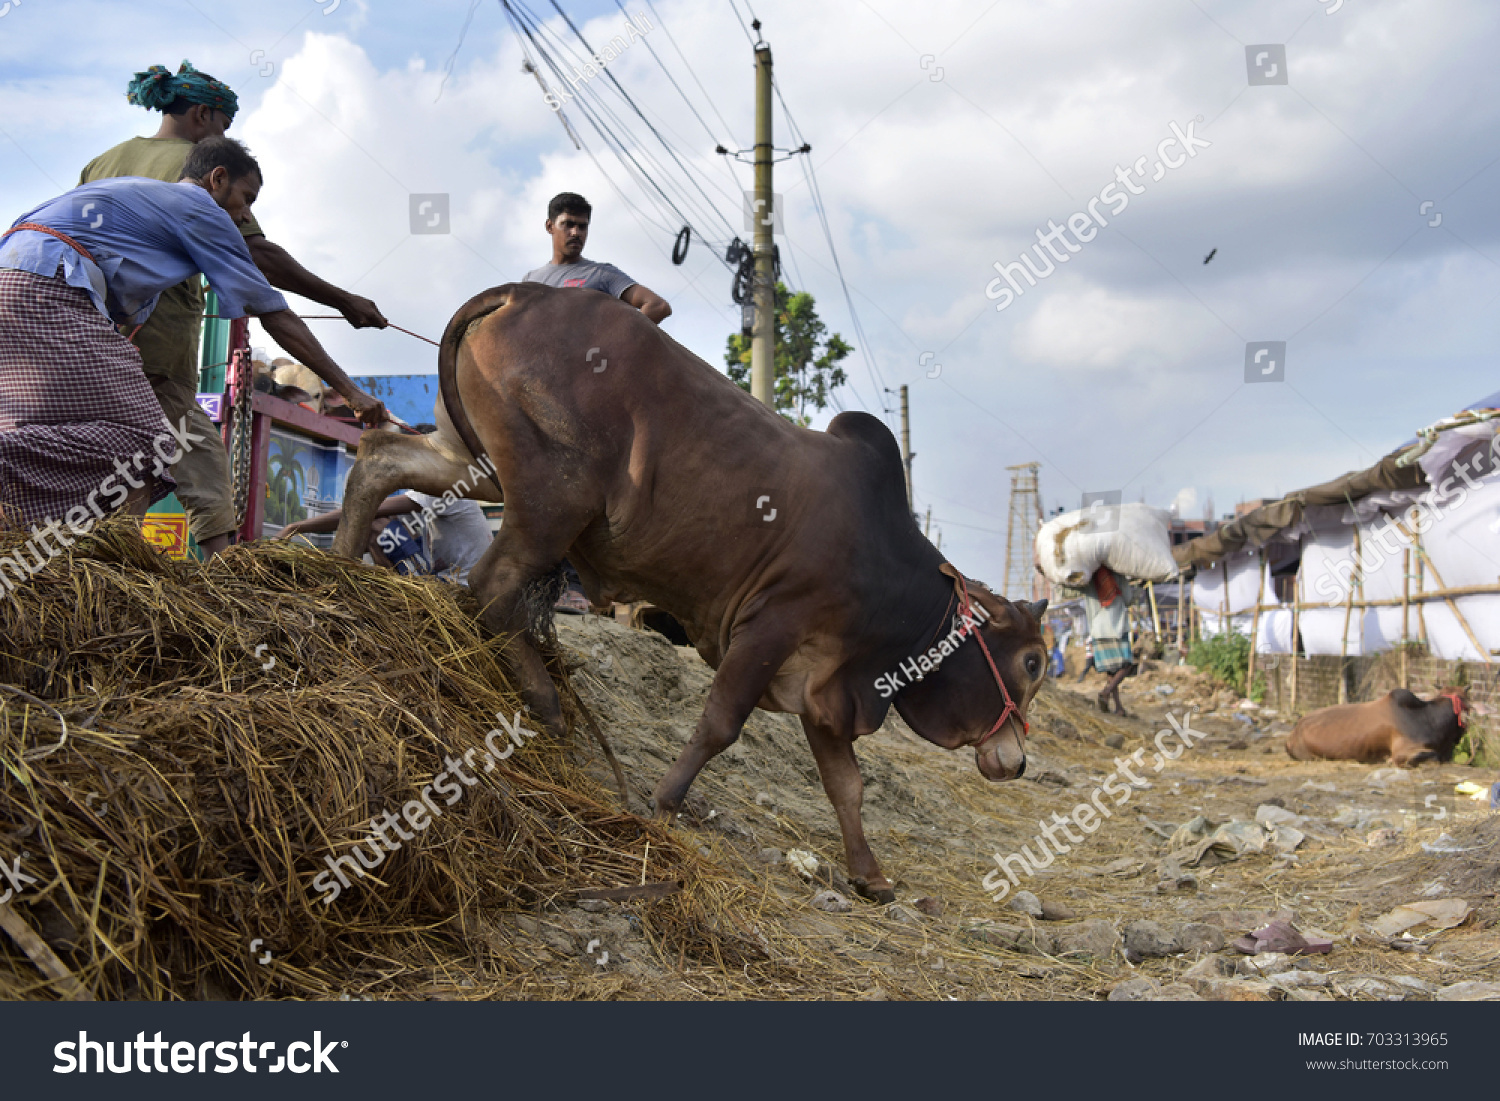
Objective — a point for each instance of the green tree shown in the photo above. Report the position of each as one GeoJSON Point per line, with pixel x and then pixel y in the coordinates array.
{"type": "Point", "coordinates": [807, 357]}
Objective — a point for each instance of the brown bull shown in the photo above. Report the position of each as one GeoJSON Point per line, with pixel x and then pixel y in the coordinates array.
{"type": "Point", "coordinates": [788, 555]}
{"type": "Point", "coordinates": [1399, 726]}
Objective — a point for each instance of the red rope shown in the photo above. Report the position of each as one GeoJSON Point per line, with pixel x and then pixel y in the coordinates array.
{"type": "Point", "coordinates": [966, 609]}
{"type": "Point", "coordinates": [50, 232]}
{"type": "Point", "coordinates": [1458, 706]}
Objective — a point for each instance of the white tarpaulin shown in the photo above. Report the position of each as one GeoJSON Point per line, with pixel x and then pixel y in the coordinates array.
{"type": "Point", "coordinates": [1460, 534]}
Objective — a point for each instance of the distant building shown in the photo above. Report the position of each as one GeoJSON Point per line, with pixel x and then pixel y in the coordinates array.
{"type": "Point", "coordinates": [1250, 506]}
{"type": "Point", "coordinates": [1182, 531]}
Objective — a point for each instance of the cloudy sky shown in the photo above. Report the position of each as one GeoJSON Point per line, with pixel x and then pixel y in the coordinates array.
{"type": "Point", "coordinates": [1346, 205]}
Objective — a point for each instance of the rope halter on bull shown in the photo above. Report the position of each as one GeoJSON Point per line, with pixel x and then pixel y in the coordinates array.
{"type": "Point", "coordinates": [966, 613]}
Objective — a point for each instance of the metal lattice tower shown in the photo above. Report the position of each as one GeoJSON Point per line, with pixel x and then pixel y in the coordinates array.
{"type": "Point", "coordinates": [1022, 582]}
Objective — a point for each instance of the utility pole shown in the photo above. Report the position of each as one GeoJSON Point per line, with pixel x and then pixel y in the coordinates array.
{"type": "Point", "coordinates": [763, 335]}
{"type": "Point", "coordinates": [906, 455]}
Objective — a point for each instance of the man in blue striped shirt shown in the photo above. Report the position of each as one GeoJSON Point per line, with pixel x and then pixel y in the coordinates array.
{"type": "Point", "coordinates": [73, 398]}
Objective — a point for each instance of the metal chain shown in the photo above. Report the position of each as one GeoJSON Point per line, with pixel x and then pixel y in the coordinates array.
{"type": "Point", "coordinates": [242, 371]}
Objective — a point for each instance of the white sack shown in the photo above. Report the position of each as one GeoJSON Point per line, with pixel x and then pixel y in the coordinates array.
{"type": "Point", "coordinates": [1130, 539]}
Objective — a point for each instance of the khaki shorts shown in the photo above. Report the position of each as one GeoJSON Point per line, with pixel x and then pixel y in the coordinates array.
{"type": "Point", "coordinates": [168, 344]}
{"type": "Point", "coordinates": [202, 473]}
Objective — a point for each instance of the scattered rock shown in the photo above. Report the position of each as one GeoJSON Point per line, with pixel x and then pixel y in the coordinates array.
{"type": "Point", "coordinates": [1411, 982]}
{"type": "Point", "coordinates": [1288, 980]}
{"type": "Point", "coordinates": [897, 912]}
{"type": "Point", "coordinates": [1438, 913]}
{"type": "Point", "coordinates": [831, 902]}
{"type": "Point", "coordinates": [764, 799]}
{"type": "Point", "coordinates": [1237, 990]}
{"type": "Point", "coordinates": [1380, 839]}
{"type": "Point", "coordinates": [769, 856]}
{"type": "Point", "coordinates": [1198, 936]}
{"type": "Point", "coordinates": [1035, 971]}
{"type": "Point", "coordinates": [1268, 814]}
{"type": "Point", "coordinates": [1470, 992]}
{"type": "Point", "coordinates": [874, 995]}
{"type": "Point", "coordinates": [594, 905]}
{"type": "Point", "coordinates": [1177, 992]}
{"type": "Point", "coordinates": [1026, 903]}
{"type": "Point", "coordinates": [932, 907]}
{"type": "Point", "coordinates": [1095, 938]}
{"type": "Point", "coordinates": [1056, 911]}
{"type": "Point", "coordinates": [1064, 729]}
{"type": "Point", "coordinates": [1209, 968]}
{"type": "Point", "coordinates": [1185, 881]}
{"type": "Point", "coordinates": [1030, 941]}
{"type": "Point", "coordinates": [1115, 741]}
{"type": "Point", "coordinates": [1149, 939]}
{"type": "Point", "coordinates": [1133, 990]}
{"type": "Point", "coordinates": [1266, 964]}
{"type": "Point", "coordinates": [1368, 986]}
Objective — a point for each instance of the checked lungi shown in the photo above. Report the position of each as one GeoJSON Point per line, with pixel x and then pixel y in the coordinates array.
{"type": "Point", "coordinates": [1111, 654]}
{"type": "Point", "coordinates": [73, 400]}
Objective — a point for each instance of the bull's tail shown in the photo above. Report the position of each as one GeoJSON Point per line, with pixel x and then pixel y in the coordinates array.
{"type": "Point", "coordinates": [471, 312]}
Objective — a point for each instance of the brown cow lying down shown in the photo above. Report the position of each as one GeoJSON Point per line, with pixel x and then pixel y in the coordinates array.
{"type": "Point", "coordinates": [1400, 726]}
{"type": "Point", "coordinates": [789, 556]}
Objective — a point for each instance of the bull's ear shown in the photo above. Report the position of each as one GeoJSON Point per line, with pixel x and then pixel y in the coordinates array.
{"type": "Point", "coordinates": [1037, 608]}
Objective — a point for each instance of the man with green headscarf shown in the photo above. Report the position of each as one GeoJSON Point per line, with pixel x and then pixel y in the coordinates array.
{"type": "Point", "coordinates": [195, 106]}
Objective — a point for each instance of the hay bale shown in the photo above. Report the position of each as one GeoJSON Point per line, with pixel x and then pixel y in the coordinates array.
{"type": "Point", "coordinates": [184, 747]}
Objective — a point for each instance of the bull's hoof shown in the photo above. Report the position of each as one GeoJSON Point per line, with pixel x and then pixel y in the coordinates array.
{"type": "Point", "coordinates": [881, 893]}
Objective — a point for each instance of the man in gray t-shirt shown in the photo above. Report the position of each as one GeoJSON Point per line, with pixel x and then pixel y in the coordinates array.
{"type": "Point", "coordinates": [568, 224]}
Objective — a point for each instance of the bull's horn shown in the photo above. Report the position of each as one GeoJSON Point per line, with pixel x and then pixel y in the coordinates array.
{"type": "Point", "coordinates": [1037, 608]}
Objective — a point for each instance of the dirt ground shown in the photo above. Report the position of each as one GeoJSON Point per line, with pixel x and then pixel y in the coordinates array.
{"type": "Point", "coordinates": [1138, 919]}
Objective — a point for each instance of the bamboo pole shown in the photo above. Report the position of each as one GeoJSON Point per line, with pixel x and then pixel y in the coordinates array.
{"type": "Point", "coordinates": [1421, 586]}
{"type": "Point", "coordinates": [1458, 615]}
{"type": "Point", "coordinates": [1484, 655]}
{"type": "Point", "coordinates": [1155, 617]}
{"type": "Point", "coordinates": [1224, 627]}
{"type": "Point", "coordinates": [1180, 608]}
{"type": "Point", "coordinates": [1348, 611]}
{"type": "Point", "coordinates": [1405, 612]}
{"type": "Point", "coordinates": [1296, 611]}
{"type": "Point", "coordinates": [1417, 598]}
{"type": "Point", "coordinates": [1260, 580]}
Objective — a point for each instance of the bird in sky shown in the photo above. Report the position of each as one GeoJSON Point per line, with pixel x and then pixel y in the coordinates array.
{"type": "Point", "coordinates": [1211, 255]}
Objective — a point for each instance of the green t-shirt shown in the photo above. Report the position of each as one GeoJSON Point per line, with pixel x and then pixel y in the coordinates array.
{"type": "Point", "coordinates": [168, 342]}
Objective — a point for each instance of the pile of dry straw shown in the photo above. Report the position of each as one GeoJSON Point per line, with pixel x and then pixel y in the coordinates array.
{"type": "Point", "coordinates": [182, 746]}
